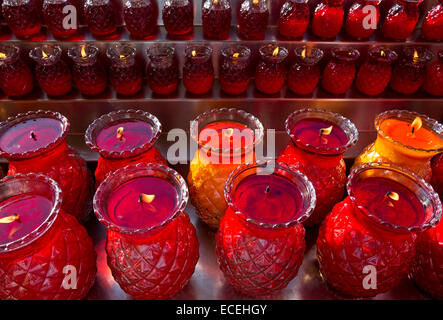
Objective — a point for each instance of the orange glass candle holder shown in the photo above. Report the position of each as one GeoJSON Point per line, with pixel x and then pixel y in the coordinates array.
{"type": "Point", "coordinates": [221, 149]}
{"type": "Point", "coordinates": [405, 138]}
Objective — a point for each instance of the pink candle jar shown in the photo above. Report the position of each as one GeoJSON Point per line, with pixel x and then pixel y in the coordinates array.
{"type": "Point", "coordinates": [253, 19]}
{"type": "Point", "coordinates": [36, 142]}
{"type": "Point", "coordinates": [140, 18]}
{"type": "Point", "coordinates": [357, 18]}
{"type": "Point", "coordinates": [294, 18]}
{"type": "Point", "coordinates": [162, 70]}
{"type": "Point", "coordinates": [198, 71]}
{"type": "Point", "coordinates": [304, 74]}
{"type": "Point", "coordinates": [270, 74]}
{"type": "Point", "coordinates": [432, 27]}
{"type": "Point", "coordinates": [89, 74]}
{"type": "Point", "coordinates": [375, 229]}
{"type": "Point", "coordinates": [16, 78]}
{"type": "Point", "coordinates": [52, 73]}
{"type": "Point", "coordinates": [434, 77]}
{"type": "Point", "coordinates": [54, 18]}
{"type": "Point", "coordinates": [178, 16]}
{"type": "Point", "coordinates": [151, 245]}
{"type": "Point", "coordinates": [328, 18]}
{"type": "Point", "coordinates": [401, 19]}
{"type": "Point", "coordinates": [409, 73]}
{"type": "Point", "coordinates": [375, 73]}
{"type": "Point", "coordinates": [100, 17]}
{"type": "Point", "coordinates": [22, 17]}
{"type": "Point", "coordinates": [261, 236]}
{"type": "Point", "coordinates": [318, 141]}
{"type": "Point", "coordinates": [339, 73]}
{"type": "Point", "coordinates": [216, 18]}
{"type": "Point", "coordinates": [234, 69]}
{"type": "Point", "coordinates": [39, 240]}
{"type": "Point", "coordinates": [125, 72]}
{"type": "Point", "coordinates": [124, 137]}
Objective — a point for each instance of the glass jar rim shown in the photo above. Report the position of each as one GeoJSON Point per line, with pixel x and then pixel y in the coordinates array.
{"type": "Point", "coordinates": [389, 56]}
{"type": "Point", "coordinates": [53, 53]}
{"type": "Point", "coordinates": [90, 50]}
{"type": "Point", "coordinates": [346, 54]}
{"type": "Point", "coordinates": [266, 53]}
{"type": "Point", "coordinates": [203, 51]}
{"type": "Point", "coordinates": [243, 52]}
{"type": "Point", "coordinates": [115, 52]}
{"type": "Point", "coordinates": [160, 51]}
{"type": "Point", "coordinates": [11, 52]}
{"type": "Point", "coordinates": [314, 57]}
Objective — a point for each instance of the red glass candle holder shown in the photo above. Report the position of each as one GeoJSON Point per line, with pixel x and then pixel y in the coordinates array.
{"type": "Point", "coordinates": [401, 19]}
{"type": "Point", "coordinates": [253, 19]}
{"type": "Point", "coordinates": [318, 140]}
{"type": "Point", "coordinates": [267, 204]}
{"type": "Point", "coordinates": [375, 73]}
{"type": "Point", "coordinates": [234, 74]}
{"type": "Point", "coordinates": [216, 18]}
{"type": "Point", "coordinates": [52, 73]}
{"type": "Point", "coordinates": [434, 77]}
{"type": "Point", "coordinates": [198, 71]}
{"type": "Point", "coordinates": [142, 208]}
{"type": "Point", "coordinates": [54, 16]}
{"type": "Point", "coordinates": [375, 229]}
{"type": "Point", "coordinates": [437, 174]}
{"type": "Point", "coordinates": [432, 27]}
{"type": "Point", "coordinates": [100, 17]}
{"type": "Point", "coordinates": [294, 18]}
{"type": "Point", "coordinates": [409, 73]}
{"type": "Point", "coordinates": [270, 74]}
{"type": "Point", "coordinates": [125, 72]}
{"type": "Point", "coordinates": [162, 70]}
{"type": "Point", "coordinates": [355, 19]}
{"type": "Point", "coordinates": [36, 142]}
{"type": "Point", "coordinates": [89, 74]}
{"type": "Point", "coordinates": [39, 236]}
{"type": "Point", "coordinates": [339, 73]}
{"type": "Point", "coordinates": [178, 16]}
{"type": "Point", "coordinates": [124, 137]}
{"type": "Point", "coordinates": [304, 74]}
{"type": "Point", "coordinates": [328, 18]}
{"type": "Point", "coordinates": [22, 17]}
{"type": "Point", "coordinates": [16, 78]}
{"type": "Point", "coordinates": [140, 18]}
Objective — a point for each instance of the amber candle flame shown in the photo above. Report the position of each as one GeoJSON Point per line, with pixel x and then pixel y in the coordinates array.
{"type": "Point", "coordinates": [83, 51]}
{"type": "Point", "coordinates": [228, 132]}
{"type": "Point", "coordinates": [120, 133]}
{"type": "Point", "coordinates": [275, 52]}
{"type": "Point", "coordinates": [44, 55]}
{"type": "Point", "coordinates": [194, 53]}
{"type": "Point", "coordinates": [236, 55]}
{"type": "Point", "coordinates": [415, 57]}
{"type": "Point", "coordinates": [392, 196]}
{"type": "Point", "coordinates": [10, 219]}
{"type": "Point", "coordinates": [382, 53]}
{"type": "Point", "coordinates": [416, 125]}
{"type": "Point", "coordinates": [146, 198]}
{"type": "Point", "coordinates": [254, 1]}
{"type": "Point", "coordinates": [326, 131]}
{"type": "Point", "coordinates": [2, 56]}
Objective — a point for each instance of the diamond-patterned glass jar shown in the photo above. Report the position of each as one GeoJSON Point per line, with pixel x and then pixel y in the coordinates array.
{"type": "Point", "coordinates": [401, 19]}
{"type": "Point", "coordinates": [253, 19]}
{"type": "Point", "coordinates": [294, 18]}
{"type": "Point", "coordinates": [162, 69]}
{"type": "Point", "coordinates": [22, 17]}
{"type": "Point", "coordinates": [271, 72]}
{"type": "Point", "coordinates": [432, 27]}
{"type": "Point", "coordinates": [304, 74]}
{"type": "Point", "coordinates": [54, 16]}
{"type": "Point", "coordinates": [216, 18]}
{"type": "Point", "coordinates": [328, 18]}
{"type": "Point", "coordinates": [15, 76]}
{"type": "Point", "coordinates": [434, 77]}
{"type": "Point", "coordinates": [178, 16]}
{"type": "Point", "coordinates": [235, 69]}
{"type": "Point", "coordinates": [140, 18]}
{"type": "Point", "coordinates": [100, 17]}
{"type": "Point", "coordinates": [357, 17]}
{"type": "Point", "coordinates": [198, 70]}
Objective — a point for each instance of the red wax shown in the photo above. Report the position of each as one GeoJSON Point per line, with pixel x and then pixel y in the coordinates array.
{"type": "Point", "coordinates": [216, 18]}
{"type": "Point", "coordinates": [433, 24]}
{"type": "Point", "coordinates": [305, 73]}
{"type": "Point", "coordinates": [234, 69]}
{"type": "Point", "coordinates": [162, 70]}
{"type": "Point", "coordinates": [15, 76]}
{"type": "Point", "coordinates": [270, 74]}
{"type": "Point", "coordinates": [339, 73]}
{"type": "Point", "coordinates": [356, 16]}
{"type": "Point", "coordinates": [22, 17]}
{"type": "Point", "coordinates": [198, 71]}
{"type": "Point", "coordinates": [125, 73]}
{"type": "Point", "coordinates": [401, 19]}
{"type": "Point", "coordinates": [437, 174]}
{"type": "Point", "coordinates": [253, 19]}
{"type": "Point", "coordinates": [100, 17]}
{"type": "Point", "coordinates": [178, 16]}
{"type": "Point", "coordinates": [294, 18]}
{"type": "Point", "coordinates": [328, 19]}
{"type": "Point", "coordinates": [434, 77]}
{"type": "Point", "coordinates": [226, 134]}
{"type": "Point", "coordinates": [53, 15]}
{"type": "Point", "coordinates": [140, 18]}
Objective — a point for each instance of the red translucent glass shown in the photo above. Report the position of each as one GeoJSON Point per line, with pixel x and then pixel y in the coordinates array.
{"type": "Point", "coordinates": [437, 174]}
{"type": "Point", "coordinates": [401, 19]}
{"type": "Point", "coordinates": [22, 17]}
{"type": "Point", "coordinates": [53, 15]}
{"type": "Point", "coordinates": [100, 17]}
{"type": "Point", "coordinates": [270, 74]}
{"type": "Point", "coordinates": [294, 18]}
{"type": "Point", "coordinates": [432, 27]}
{"type": "Point", "coordinates": [234, 74]}
{"type": "Point", "coordinates": [434, 77]}
{"type": "Point", "coordinates": [328, 19]}
{"type": "Point", "coordinates": [15, 76]}
{"type": "Point", "coordinates": [216, 18]}
{"type": "Point", "coordinates": [198, 71]}
{"type": "Point", "coordinates": [253, 19]}
{"type": "Point", "coordinates": [356, 18]}
{"type": "Point", "coordinates": [339, 73]}
{"type": "Point", "coordinates": [304, 74]}
{"type": "Point", "coordinates": [140, 18]}
{"type": "Point", "coordinates": [162, 70]}
{"type": "Point", "coordinates": [178, 16]}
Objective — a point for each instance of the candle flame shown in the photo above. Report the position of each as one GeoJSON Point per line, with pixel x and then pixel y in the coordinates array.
{"type": "Point", "coordinates": [10, 219]}
{"type": "Point", "coordinates": [2, 56]}
{"type": "Point", "coordinates": [44, 55]}
{"type": "Point", "coordinates": [393, 195]}
{"type": "Point", "coordinates": [236, 55]}
{"type": "Point", "coordinates": [83, 51]}
{"type": "Point", "coordinates": [146, 198]}
{"type": "Point", "coordinates": [303, 53]}
{"type": "Point", "coordinates": [228, 132]}
{"type": "Point", "coordinates": [382, 53]}
{"type": "Point", "coordinates": [120, 133]}
{"type": "Point", "coordinates": [122, 56]}
{"type": "Point", "coordinates": [326, 131]}
{"type": "Point", "coordinates": [416, 125]}
{"type": "Point", "coordinates": [215, 1]}
{"type": "Point", "coordinates": [275, 52]}
{"type": "Point", "coordinates": [254, 1]}
{"type": "Point", "coordinates": [415, 57]}
{"type": "Point", "coordinates": [194, 53]}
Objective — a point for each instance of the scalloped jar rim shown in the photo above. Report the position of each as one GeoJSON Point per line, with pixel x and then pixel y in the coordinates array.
{"type": "Point", "coordinates": [90, 50]}
{"type": "Point", "coordinates": [315, 55]}
{"type": "Point", "coordinates": [12, 55]}
{"type": "Point", "coordinates": [243, 51]}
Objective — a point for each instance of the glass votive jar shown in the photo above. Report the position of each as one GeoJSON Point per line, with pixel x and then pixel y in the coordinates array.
{"type": "Point", "coordinates": [437, 174]}
{"type": "Point", "coordinates": [356, 24]}
{"type": "Point", "coordinates": [124, 73]}
{"type": "Point", "coordinates": [100, 17]}
{"type": "Point", "coordinates": [178, 16]}
{"type": "Point", "coordinates": [198, 71]}
{"type": "Point", "coordinates": [294, 18]}
{"type": "Point", "coordinates": [36, 234]}
{"type": "Point", "coordinates": [267, 202]}
{"type": "Point", "coordinates": [124, 137]}
{"type": "Point", "coordinates": [253, 19]}
{"type": "Point", "coordinates": [54, 17]}
{"type": "Point", "coordinates": [89, 74]}
{"type": "Point", "coordinates": [328, 18]}
{"type": "Point", "coordinates": [226, 138]}
{"type": "Point", "coordinates": [142, 206]}
{"type": "Point", "coordinates": [234, 74]}
{"type": "Point", "coordinates": [52, 73]}
{"type": "Point", "coordinates": [270, 74]}
{"type": "Point", "coordinates": [432, 27]}
{"type": "Point", "coordinates": [36, 142]}
{"type": "Point", "coordinates": [305, 73]}
{"type": "Point", "coordinates": [22, 17]}
{"type": "Point", "coordinates": [16, 78]}
{"type": "Point", "coordinates": [319, 139]}
{"type": "Point", "coordinates": [434, 77]}
{"type": "Point", "coordinates": [401, 19]}
{"type": "Point", "coordinates": [140, 18]}
{"type": "Point", "coordinates": [216, 19]}
{"type": "Point", "coordinates": [378, 222]}
{"type": "Point", "coordinates": [409, 72]}
{"type": "Point", "coordinates": [339, 73]}
{"type": "Point", "coordinates": [407, 139]}
{"type": "Point", "coordinates": [375, 73]}
{"type": "Point", "coordinates": [162, 70]}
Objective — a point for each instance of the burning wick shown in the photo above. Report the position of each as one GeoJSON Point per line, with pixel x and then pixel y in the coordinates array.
{"type": "Point", "coordinates": [146, 198]}
{"type": "Point", "coordinates": [215, 1]}
{"type": "Point", "coordinates": [306, 52]}
{"type": "Point", "coordinates": [254, 1]}
{"type": "Point", "coordinates": [44, 55]}
{"type": "Point", "coordinates": [382, 53]}
{"type": "Point", "coordinates": [416, 125]}
{"type": "Point", "coordinates": [275, 52]}
{"type": "Point", "coordinates": [194, 53]}
{"type": "Point", "coordinates": [9, 219]}
{"type": "Point", "coordinates": [325, 131]}
{"type": "Point", "coordinates": [122, 56]}
{"type": "Point", "coordinates": [120, 133]}
{"type": "Point", "coordinates": [83, 51]}
{"type": "Point", "coordinates": [268, 189]}
{"type": "Point", "coordinates": [228, 132]}
{"type": "Point", "coordinates": [415, 57]}
{"type": "Point", "coordinates": [236, 55]}
{"type": "Point", "coordinates": [2, 56]}
{"type": "Point", "coordinates": [33, 137]}
{"type": "Point", "coordinates": [391, 196]}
